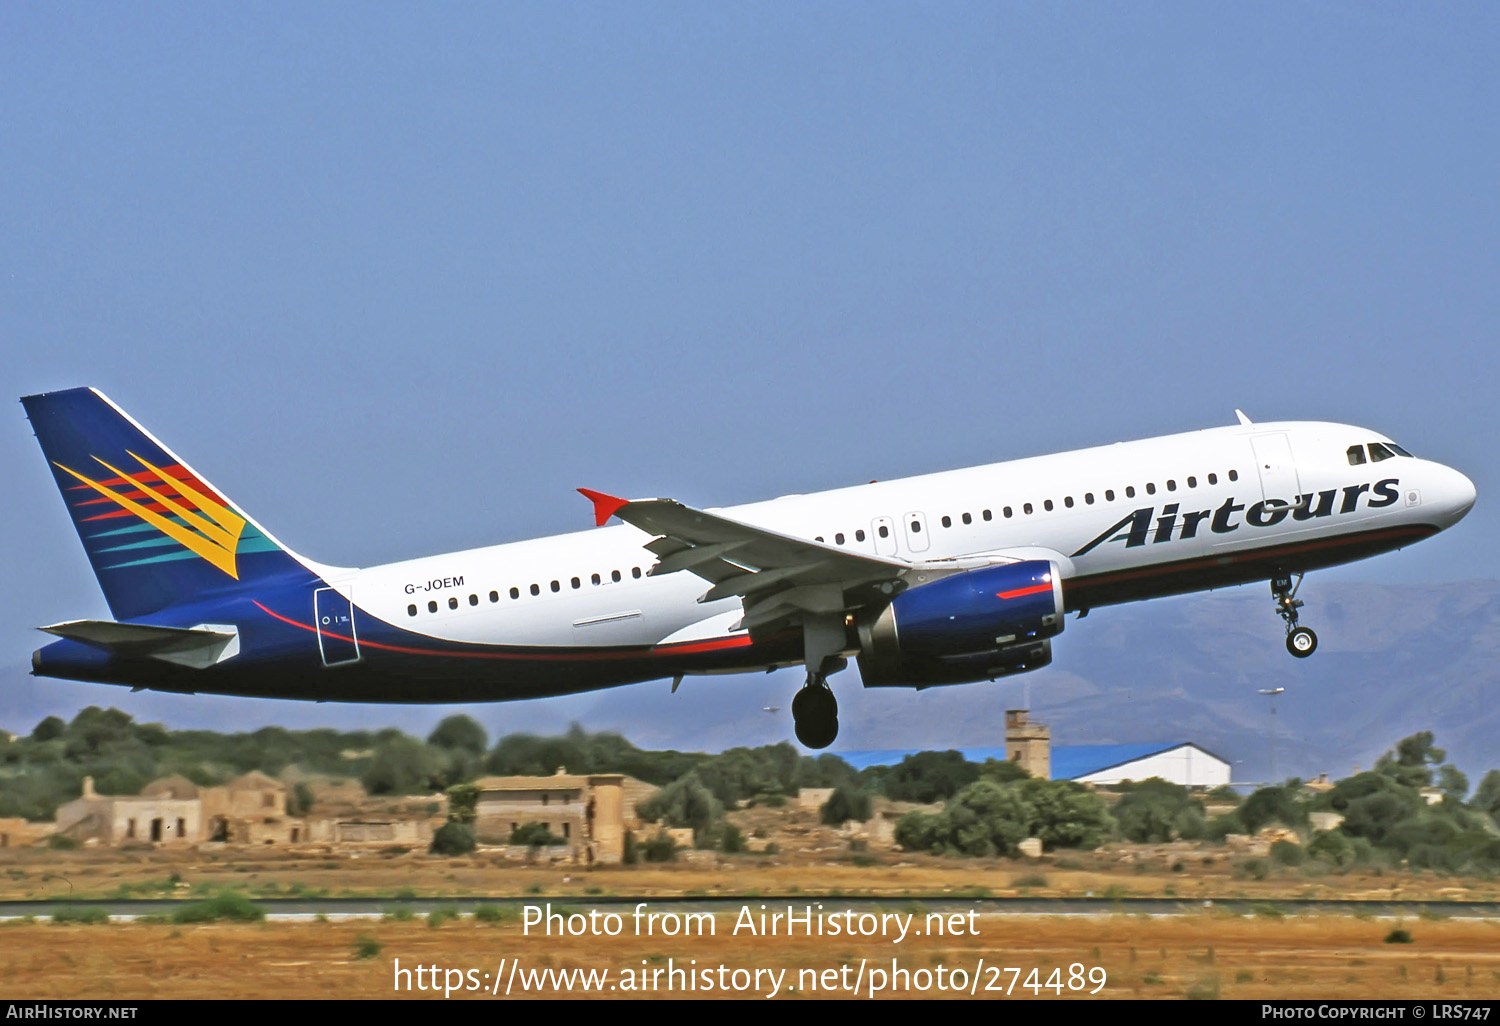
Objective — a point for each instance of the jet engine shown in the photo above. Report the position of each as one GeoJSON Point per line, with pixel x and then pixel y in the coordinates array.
{"type": "Point", "coordinates": [977, 625]}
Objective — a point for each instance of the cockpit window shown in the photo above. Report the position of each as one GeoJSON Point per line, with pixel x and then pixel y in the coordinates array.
{"type": "Point", "coordinates": [1398, 450]}
{"type": "Point", "coordinates": [1379, 452]}
{"type": "Point", "coordinates": [1356, 455]}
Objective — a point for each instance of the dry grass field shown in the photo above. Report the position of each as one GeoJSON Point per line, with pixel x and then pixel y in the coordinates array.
{"type": "Point", "coordinates": [39, 874]}
{"type": "Point", "coordinates": [1201, 956]}
{"type": "Point", "coordinates": [1206, 953]}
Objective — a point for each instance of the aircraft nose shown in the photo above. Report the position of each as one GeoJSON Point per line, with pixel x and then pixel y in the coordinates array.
{"type": "Point", "coordinates": [1456, 493]}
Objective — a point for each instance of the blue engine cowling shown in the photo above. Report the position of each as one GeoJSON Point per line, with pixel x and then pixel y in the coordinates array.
{"type": "Point", "coordinates": [972, 626]}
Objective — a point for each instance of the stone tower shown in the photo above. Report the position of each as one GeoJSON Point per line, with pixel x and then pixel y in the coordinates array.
{"type": "Point", "coordinates": [1028, 744]}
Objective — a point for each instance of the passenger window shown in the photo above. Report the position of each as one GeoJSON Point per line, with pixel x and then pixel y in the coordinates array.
{"type": "Point", "coordinates": [818, 539]}
{"type": "Point", "coordinates": [596, 579]}
{"type": "Point", "coordinates": [635, 572]}
{"type": "Point", "coordinates": [473, 600]}
{"type": "Point", "coordinates": [432, 607]}
{"type": "Point", "coordinates": [986, 514]}
{"type": "Point", "coordinates": [1150, 488]}
{"type": "Point", "coordinates": [453, 602]}
{"type": "Point", "coordinates": [1379, 452]}
{"type": "Point", "coordinates": [1234, 475]}
{"type": "Point", "coordinates": [947, 521]}
{"type": "Point", "coordinates": [614, 575]}
{"type": "Point", "coordinates": [1026, 508]}
{"type": "Point", "coordinates": [885, 532]}
{"type": "Point", "coordinates": [916, 527]}
{"type": "Point", "coordinates": [494, 596]}
{"type": "Point", "coordinates": [968, 519]}
{"type": "Point", "coordinates": [556, 587]}
{"type": "Point", "coordinates": [859, 535]}
{"type": "Point", "coordinates": [1171, 485]}
{"type": "Point", "coordinates": [515, 593]}
{"type": "Point", "coordinates": [1006, 511]}
{"type": "Point", "coordinates": [411, 610]}
{"type": "Point", "coordinates": [1130, 491]}
{"type": "Point", "coordinates": [536, 590]}
{"type": "Point", "coordinates": [1213, 479]}
{"type": "Point", "coordinates": [1192, 482]}
{"type": "Point", "coordinates": [839, 538]}
{"type": "Point", "coordinates": [1088, 498]}
{"type": "Point", "coordinates": [1047, 505]}
{"type": "Point", "coordinates": [576, 584]}
{"type": "Point", "coordinates": [1356, 455]}
{"type": "Point", "coordinates": [1068, 501]}
{"type": "Point", "coordinates": [1109, 495]}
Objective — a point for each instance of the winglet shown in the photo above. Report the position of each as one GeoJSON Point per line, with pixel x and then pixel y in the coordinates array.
{"type": "Point", "coordinates": [605, 506]}
{"type": "Point", "coordinates": [1244, 420]}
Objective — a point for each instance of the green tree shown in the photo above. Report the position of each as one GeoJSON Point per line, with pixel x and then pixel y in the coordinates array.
{"type": "Point", "coordinates": [48, 729]}
{"type": "Point", "coordinates": [1002, 771]}
{"type": "Point", "coordinates": [1413, 760]}
{"type": "Point", "coordinates": [1155, 810]}
{"type": "Point", "coordinates": [453, 838]}
{"type": "Point", "coordinates": [535, 835]}
{"type": "Point", "coordinates": [930, 777]}
{"type": "Point", "coordinates": [844, 804]}
{"type": "Point", "coordinates": [463, 803]}
{"type": "Point", "coordinates": [404, 765]}
{"type": "Point", "coordinates": [685, 802]}
{"type": "Point", "coordinates": [1065, 814]}
{"type": "Point", "coordinates": [1487, 795]}
{"type": "Point", "coordinates": [1333, 847]}
{"type": "Point", "coordinates": [300, 801]}
{"type": "Point", "coordinates": [1279, 803]}
{"type": "Point", "coordinates": [1454, 783]}
{"type": "Point", "coordinates": [460, 733]}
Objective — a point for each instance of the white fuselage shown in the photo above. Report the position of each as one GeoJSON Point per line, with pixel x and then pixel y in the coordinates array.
{"type": "Point", "coordinates": [1108, 511]}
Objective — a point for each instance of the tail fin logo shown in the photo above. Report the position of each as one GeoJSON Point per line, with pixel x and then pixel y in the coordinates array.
{"type": "Point", "coordinates": [211, 530]}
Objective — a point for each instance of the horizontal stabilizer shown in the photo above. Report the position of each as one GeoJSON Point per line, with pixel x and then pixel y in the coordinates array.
{"type": "Point", "coordinates": [196, 647]}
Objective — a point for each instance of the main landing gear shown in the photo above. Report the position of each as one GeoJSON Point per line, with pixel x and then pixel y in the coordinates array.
{"type": "Point", "coordinates": [815, 712]}
{"type": "Point", "coordinates": [1300, 641]}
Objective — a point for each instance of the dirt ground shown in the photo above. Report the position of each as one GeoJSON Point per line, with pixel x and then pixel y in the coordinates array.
{"type": "Point", "coordinates": [1196, 956]}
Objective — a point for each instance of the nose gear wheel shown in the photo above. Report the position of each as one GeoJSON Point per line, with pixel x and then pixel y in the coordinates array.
{"type": "Point", "coordinates": [1300, 641]}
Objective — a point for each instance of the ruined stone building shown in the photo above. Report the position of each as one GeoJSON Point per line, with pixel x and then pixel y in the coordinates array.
{"type": "Point", "coordinates": [591, 813]}
{"type": "Point", "coordinates": [251, 809]}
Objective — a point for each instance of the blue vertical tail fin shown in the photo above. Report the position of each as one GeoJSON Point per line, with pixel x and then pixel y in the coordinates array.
{"type": "Point", "coordinates": [157, 534]}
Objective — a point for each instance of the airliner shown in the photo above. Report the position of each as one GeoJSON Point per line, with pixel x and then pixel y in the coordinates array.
{"type": "Point", "coordinates": [947, 578]}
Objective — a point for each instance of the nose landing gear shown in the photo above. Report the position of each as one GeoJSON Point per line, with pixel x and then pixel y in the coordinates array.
{"type": "Point", "coordinates": [1300, 641]}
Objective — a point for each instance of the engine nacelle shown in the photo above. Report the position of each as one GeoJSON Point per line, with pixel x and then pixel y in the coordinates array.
{"type": "Point", "coordinates": [972, 626]}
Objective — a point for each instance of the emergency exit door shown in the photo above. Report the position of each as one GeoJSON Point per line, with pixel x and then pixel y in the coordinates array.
{"type": "Point", "coordinates": [334, 615]}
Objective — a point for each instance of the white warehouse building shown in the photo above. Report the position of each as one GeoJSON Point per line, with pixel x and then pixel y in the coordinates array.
{"type": "Point", "coordinates": [1179, 763]}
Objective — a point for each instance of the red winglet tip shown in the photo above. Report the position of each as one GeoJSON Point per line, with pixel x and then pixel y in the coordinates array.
{"type": "Point", "coordinates": [605, 506]}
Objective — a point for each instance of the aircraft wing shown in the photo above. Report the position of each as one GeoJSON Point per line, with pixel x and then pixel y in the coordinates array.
{"type": "Point", "coordinates": [777, 575]}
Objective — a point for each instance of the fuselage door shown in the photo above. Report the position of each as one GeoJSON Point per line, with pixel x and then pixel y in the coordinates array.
{"type": "Point", "coordinates": [1278, 471]}
{"type": "Point", "coordinates": [334, 614]}
{"type": "Point", "coordinates": [916, 531]}
{"type": "Point", "coordinates": [883, 533]}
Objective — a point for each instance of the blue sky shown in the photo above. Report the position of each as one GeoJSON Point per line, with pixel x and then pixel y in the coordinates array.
{"type": "Point", "coordinates": [399, 277]}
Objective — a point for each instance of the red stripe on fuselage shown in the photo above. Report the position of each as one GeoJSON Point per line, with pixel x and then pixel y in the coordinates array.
{"type": "Point", "coordinates": [587, 655]}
